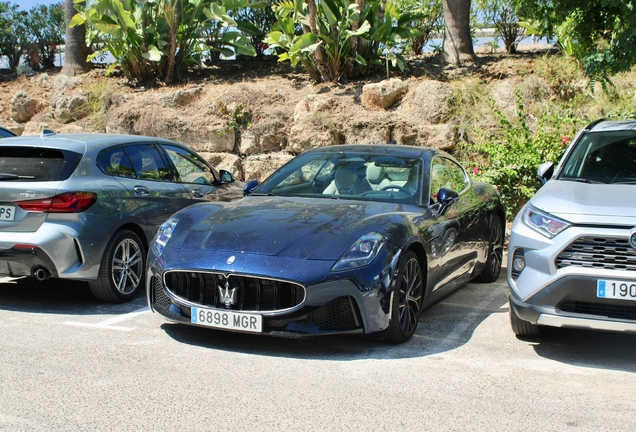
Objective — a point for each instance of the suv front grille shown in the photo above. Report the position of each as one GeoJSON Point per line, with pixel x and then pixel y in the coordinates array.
{"type": "Point", "coordinates": [600, 309]}
{"type": "Point", "coordinates": [243, 293]}
{"type": "Point", "coordinates": [599, 252]}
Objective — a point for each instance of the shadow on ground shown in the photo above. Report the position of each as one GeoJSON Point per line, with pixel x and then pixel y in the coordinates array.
{"type": "Point", "coordinates": [444, 326]}
{"type": "Point", "coordinates": [56, 296]}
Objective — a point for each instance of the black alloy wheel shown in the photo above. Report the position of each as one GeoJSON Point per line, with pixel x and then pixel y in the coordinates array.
{"type": "Point", "coordinates": [121, 272]}
{"type": "Point", "coordinates": [407, 300]}
{"type": "Point", "coordinates": [491, 271]}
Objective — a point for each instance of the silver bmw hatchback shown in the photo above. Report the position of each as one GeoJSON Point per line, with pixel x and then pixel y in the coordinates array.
{"type": "Point", "coordinates": [85, 206]}
{"type": "Point", "coordinates": [572, 251]}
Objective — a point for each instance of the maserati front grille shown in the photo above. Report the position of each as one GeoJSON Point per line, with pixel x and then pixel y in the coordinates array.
{"type": "Point", "coordinates": [599, 252]}
{"type": "Point", "coordinates": [242, 293]}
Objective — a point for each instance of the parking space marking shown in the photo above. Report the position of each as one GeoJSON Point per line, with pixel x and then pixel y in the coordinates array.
{"type": "Point", "coordinates": [107, 323]}
{"type": "Point", "coordinates": [470, 318]}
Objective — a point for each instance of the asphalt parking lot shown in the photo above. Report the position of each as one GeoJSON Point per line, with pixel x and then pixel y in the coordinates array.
{"type": "Point", "coordinates": [68, 362]}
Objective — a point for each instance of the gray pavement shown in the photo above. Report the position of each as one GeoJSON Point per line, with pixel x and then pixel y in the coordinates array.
{"type": "Point", "coordinates": [68, 362]}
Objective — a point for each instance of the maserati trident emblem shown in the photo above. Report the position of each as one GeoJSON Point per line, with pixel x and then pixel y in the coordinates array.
{"type": "Point", "coordinates": [231, 259]}
{"type": "Point", "coordinates": [228, 296]}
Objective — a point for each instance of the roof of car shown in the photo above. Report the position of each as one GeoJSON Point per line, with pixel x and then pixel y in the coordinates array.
{"type": "Point", "coordinates": [389, 149]}
{"type": "Point", "coordinates": [615, 125]}
{"type": "Point", "coordinates": [79, 141]}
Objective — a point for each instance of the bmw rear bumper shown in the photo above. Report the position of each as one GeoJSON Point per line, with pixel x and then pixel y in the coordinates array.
{"type": "Point", "coordinates": [54, 247]}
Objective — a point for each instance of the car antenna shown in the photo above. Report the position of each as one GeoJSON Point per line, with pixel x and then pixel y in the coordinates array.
{"type": "Point", "coordinates": [46, 132]}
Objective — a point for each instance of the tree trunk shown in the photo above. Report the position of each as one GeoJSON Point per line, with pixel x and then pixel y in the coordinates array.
{"type": "Point", "coordinates": [458, 45]}
{"type": "Point", "coordinates": [75, 41]}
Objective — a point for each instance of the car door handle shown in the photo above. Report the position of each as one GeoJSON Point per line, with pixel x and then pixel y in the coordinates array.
{"type": "Point", "coordinates": [141, 190]}
{"type": "Point", "coordinates": [197, 193]}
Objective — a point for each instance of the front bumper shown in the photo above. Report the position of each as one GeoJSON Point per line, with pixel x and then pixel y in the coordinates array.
{"type": "Point", "coordinates": [358, 301]}
{"type": "Point", "coordinates": [566, 296]}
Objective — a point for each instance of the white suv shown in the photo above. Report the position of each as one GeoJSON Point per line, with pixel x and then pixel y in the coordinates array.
{"type": "Point", "coordinates": [572, 251]}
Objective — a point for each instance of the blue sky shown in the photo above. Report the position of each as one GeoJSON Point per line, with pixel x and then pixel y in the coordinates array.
{"type": "Point", "coordinates": [28, 4]}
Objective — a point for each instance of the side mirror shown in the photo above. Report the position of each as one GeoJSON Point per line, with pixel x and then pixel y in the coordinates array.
{"type": "Point", "coordinates": [249, 187]}
{"type": "Point", "coordinates": [545, 172]}
{"type": "Point", "coordinates": [446, 197]}
{"type": "Point", "coordinates": [226, 176]}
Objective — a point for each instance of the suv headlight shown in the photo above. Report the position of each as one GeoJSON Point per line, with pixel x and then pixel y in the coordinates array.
{"type": "Point", "coordinates": [361, 253]}
{"type": "Point", "coordinates": [544, 223]}
{"type": "Point", "coordinates": [163, 235]}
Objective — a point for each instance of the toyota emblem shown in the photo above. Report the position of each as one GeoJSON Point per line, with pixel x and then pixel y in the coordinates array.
{"type": "Point", "coordinates": [231, 259]}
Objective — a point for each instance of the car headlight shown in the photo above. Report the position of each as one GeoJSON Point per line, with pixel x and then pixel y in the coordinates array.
{"type": "Point", "coordinates": [544, 223]}
{"type": "Point", "coordinates": [361, 253]}
{"type": "Point", "coordinates": [163, 235]}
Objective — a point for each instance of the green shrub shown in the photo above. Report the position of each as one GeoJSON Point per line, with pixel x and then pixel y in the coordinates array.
{"type": "Point", "coordinates": [509, 157]}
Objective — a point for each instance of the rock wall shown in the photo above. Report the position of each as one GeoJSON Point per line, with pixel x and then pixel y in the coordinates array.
{"type": "Point", "coordinates": [285, 120]}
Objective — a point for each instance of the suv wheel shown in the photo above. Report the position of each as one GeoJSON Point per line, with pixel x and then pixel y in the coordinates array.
{"type": "Point", "coordinates": [121, 271]}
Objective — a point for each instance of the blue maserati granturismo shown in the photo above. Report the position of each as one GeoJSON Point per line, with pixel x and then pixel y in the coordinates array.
{"type": "Point", "coordinates": [341, 239]}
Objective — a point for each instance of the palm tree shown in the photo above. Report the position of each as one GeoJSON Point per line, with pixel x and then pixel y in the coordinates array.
{"type": "Point", "coordinates": [458, 45]}
{"type": "Point", "coordinates": [76, 50]}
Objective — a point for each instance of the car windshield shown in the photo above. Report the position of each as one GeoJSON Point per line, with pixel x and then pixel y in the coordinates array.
{"type": "Point", "coordinates": [348, 175]}
{"type": "Point", "coordinates": [602, 157]}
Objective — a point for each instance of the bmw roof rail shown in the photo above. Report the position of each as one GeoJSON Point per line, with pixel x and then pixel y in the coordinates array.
{"type": "Point", "coordinates": [46, 132]}
{"type": "Point", "coordinates": [594, 123]}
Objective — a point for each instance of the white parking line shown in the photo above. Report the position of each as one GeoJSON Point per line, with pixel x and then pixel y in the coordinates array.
{"type": "Point", "coordinates": [453, 337]}
{"type": "Point", "coordinates": [107, 323]}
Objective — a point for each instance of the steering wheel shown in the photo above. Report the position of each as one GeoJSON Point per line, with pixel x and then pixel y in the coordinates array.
{"type": "Point", "coordinates": [399, 188]}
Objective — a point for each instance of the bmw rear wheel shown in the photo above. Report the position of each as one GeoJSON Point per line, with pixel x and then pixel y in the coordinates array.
{"type": "Point", "coordinates": [407, 300]}
{"type": "Point", "coordinates": [491, 271]}
{"type": "Point", "coordinates": [121, 272]}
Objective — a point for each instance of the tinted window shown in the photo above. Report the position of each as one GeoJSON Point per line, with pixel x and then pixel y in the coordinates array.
{"type": "Point", "coordinates": [191, 168]}
{"type": "Point", "coordinates": [36, 164]}
{"type": "Point", "coordinates": [117, 163]}
{"type": "Point", "coordinates": [608, 157]}
{"type": "Point", "coordinates": [348, 175]}
{"type": "Point", "coordinates": [447, 174]}
{"type": "Point", "coordinates": [4, 133]}
{"type": "Point", "coordinates": [147, 162]}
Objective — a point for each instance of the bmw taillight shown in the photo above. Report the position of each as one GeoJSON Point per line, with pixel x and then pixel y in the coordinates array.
{"type": "Point", "coordinates": [68, 202]}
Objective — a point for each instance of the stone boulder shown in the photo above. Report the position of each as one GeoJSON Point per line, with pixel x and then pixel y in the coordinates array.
{"type": "Point", "coordinates": [225, 161]}
{"type": "Point", "coordinates": [69, 106]}
{"type": "Point", "coordinates": [429, 102]}
{"type": "Point", "coordinates": [24, 107]}
{"type": "Point", "coordinates": [368, 130]}
{"type": "Point", "coordinates": [182, 97]}
{"type": "Point", "coordinates": [383, 95]}
{"type": "Point", "coordinates": [314, 103]}
{"type": "Point", "coordinates": [314, 131]}
{"type": "Point", "coordinates": [266, 135]}
{"type": "Point", "coordinates": [259, 167]}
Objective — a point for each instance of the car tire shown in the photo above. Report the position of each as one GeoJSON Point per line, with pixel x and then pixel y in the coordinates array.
{"type": "Point", "coordinates": [521, 328]}
{"type": "Point", "coordinates": [121, 272]}
{"type": "Point", "coordinates": [491, 271]}
{"type": "Point", "coordinates": [407, 301]}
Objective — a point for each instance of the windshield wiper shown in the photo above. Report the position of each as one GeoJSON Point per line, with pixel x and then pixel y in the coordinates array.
{"type": "Point", "coordinates": [580, 180]}
{"type": "Point", "coordinates": [261, 194]}
{"type": "Point", "coordinates": [626, 182]}
{"type": "Point", "coordinates": [6, 176]}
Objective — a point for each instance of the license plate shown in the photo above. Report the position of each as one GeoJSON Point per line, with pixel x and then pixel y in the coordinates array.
{"type": "Point", "coordinates": [227, 320]}
{"type": "Point", "coordinates": [615, 289]}
{"type": "Point", "coordinates": [7, 213]}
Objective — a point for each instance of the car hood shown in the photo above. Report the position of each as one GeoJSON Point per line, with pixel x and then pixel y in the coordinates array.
{"type": "Point", "coordinates": [281, 226]}
{"type": "Point", "coordinates": [583, 202]}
